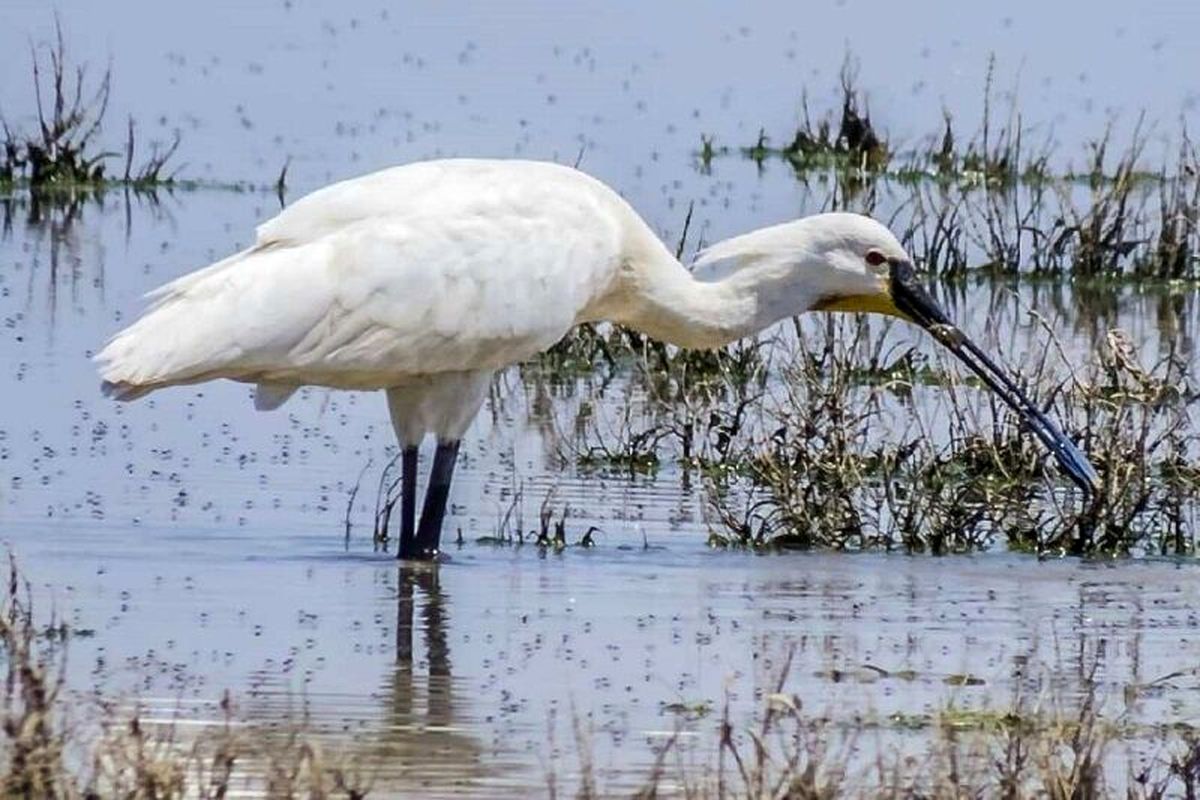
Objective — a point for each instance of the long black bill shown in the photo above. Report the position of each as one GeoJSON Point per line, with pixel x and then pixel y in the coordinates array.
{"type": "Point", "coordinates": [914, 301]}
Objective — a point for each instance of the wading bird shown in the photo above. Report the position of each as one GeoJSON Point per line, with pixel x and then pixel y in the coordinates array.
{"type": "Point", "coordinates": [425, 279]}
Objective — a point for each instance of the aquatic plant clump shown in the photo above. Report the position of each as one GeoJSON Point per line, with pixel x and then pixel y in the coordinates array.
{"type": "Point", "coordinates": [856, 145]}
{"type": "Point", "coordinates": [848, 145]}
{"type": "Point", "coordinates": [837, 435]}
{"type": "Point", "coordinates": [63, 152]}
{"type": "Point", "coordinates": [818, 472]}
{"type": "Point", "coordinates": [841, 438]}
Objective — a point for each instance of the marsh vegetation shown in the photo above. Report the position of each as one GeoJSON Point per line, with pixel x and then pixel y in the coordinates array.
{"type": "Point", "coordinates": [847, 440]}
{"type": "Point", "coordinates": [834, 434]}
{"type": "Point", "coordinates": [58, 744]}
{"type": "Point", "coordinates": [837, 432]}
{"type": "Point", "coordinates": [64, 153]}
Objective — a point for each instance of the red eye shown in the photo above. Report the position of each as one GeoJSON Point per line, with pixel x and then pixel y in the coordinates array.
{"type": "Point", "coordinates": [875, 258]}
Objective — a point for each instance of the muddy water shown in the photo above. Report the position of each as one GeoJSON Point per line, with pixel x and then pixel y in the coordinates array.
{"type": "Point", "coordinates": [202, 547]}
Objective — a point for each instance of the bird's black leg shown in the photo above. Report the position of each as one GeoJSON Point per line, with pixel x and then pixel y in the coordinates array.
{"type": "Point", "coordinates": [429, 530]}
{"type": "Point", "coordinates": [408, 502]}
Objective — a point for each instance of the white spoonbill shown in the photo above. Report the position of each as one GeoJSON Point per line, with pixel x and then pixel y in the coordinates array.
{"type": "Point", "coordinates": [423, 280]}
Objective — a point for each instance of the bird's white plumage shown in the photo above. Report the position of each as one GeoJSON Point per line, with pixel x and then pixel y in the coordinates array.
{"type": "Point", "coordinates": [456, 268]}
{"type": "Point", "coordinates": [437, 267]}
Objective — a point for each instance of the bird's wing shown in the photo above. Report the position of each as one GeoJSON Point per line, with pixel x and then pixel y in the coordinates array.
{"type": "Point", "coordinates": [390, 275]}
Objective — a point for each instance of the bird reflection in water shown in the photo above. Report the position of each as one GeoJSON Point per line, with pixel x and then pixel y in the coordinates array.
{"type": "Point", "coordinates": [427, 739]}
{"type": "Point", "coordinates": [423, 579]}
{"type": "Point", "coordinates": [416, 734]}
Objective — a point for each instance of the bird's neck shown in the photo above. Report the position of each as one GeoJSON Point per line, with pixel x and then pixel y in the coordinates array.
{"type": "Point", "coordinates": [662, 299]}
{"type": "Point", "coordinates": [680, 310]}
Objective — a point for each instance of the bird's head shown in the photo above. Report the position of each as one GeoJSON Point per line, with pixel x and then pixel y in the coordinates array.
{"type": "Point", "coordinates": [849, 262]}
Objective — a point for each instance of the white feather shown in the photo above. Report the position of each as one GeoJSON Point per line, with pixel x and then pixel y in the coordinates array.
{"type": "Point", "coordinates": [430, 268]}
{"type": "Point", "coordinates": [451, 268]}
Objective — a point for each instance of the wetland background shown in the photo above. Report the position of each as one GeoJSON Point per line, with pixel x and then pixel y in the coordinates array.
{"type": "Point", "coordinates": [192, 546]}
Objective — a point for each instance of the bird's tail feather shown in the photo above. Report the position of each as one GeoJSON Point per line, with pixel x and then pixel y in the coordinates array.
{"type": "Point", "coordinates": [176, 341]}
{"type": "Point", "coordinates": [124, 392]}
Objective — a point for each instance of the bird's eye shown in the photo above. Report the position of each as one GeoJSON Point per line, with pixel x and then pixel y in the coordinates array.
{"type": "Point", "coordinates": [875, 258]}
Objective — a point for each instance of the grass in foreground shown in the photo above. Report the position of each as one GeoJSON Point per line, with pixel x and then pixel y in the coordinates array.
{"type": "Point", "coordinates": [1033, 749]}
{"type": "Point", "coordinates": [49, 751]}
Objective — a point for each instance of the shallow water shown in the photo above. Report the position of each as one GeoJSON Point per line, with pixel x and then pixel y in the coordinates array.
{"type": "Point", "coordinates": [202, 546]}
{"type": "Point", "coordinates": [469, 676]}
{"type": "Point", "coordinates": [506, 644]}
